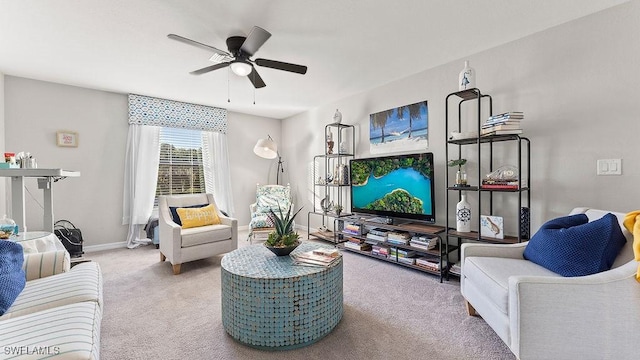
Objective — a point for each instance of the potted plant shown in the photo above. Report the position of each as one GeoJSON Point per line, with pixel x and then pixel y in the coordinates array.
{"type": "Point", "coordinates": [283, 240]}
{"type": "Point", "coordinates": [461, 175]}
{"type": "Point", "coordinates": [338, 208]}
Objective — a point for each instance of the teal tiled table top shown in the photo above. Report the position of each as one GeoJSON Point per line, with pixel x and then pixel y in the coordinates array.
{"type": "Point", "coordinates": [269, 303]}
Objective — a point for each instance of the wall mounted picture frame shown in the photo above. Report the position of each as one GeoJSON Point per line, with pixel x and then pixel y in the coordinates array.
{"type": "Point", "coordinates": [67, 138]}
{"type": "Point", "coordinates": [405, 128]}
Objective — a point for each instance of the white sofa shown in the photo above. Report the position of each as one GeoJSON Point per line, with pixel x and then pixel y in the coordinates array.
{"type": "Point", "coordinates": [542, 315]}
{"type": "Point", "coordinates": [58, 313]}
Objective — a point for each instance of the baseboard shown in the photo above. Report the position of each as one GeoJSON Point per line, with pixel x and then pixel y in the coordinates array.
{"type": "Point", "coordinates": [102, 247]}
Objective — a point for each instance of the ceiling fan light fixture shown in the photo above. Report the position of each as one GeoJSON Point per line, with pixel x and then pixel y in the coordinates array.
{"type": "Point", "coordinates": [241, 67]}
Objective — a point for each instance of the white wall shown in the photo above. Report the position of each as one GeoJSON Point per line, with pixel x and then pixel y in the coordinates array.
{"type": "Point", "coordinates": [3, 202]}
{"type": "Point", "coordinates": [35, 110]}
{"type": "Point", "coordinates": [247, 169]}
{"type": "Point", "coordinates": [575, 84]}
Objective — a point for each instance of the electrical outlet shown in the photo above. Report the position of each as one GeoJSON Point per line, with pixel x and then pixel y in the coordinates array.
{"type": "Point", "coordinates": [609, 167]}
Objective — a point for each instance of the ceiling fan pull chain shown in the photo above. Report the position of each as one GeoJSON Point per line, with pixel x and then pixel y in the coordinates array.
{"type": "Point", "coordinates": [253, 73]}
{"type": "Point", "coordinates": [228, 91]}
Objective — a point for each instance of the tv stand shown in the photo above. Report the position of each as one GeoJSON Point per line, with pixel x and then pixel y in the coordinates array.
{"type": "Point", "coordinates": [357, 242]}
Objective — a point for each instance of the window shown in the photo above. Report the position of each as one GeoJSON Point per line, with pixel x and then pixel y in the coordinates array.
{"type": "Point", "coordinates": [181, 168]}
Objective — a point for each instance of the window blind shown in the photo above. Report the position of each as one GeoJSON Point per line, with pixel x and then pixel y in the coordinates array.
{"type": "Point", "coordinates": [180, 170]}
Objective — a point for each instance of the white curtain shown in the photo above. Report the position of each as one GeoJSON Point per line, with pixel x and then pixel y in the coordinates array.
{"type": "Point", "coordinates": [216, 169]}
{"type": "Point", "coordinates": [140, 178]}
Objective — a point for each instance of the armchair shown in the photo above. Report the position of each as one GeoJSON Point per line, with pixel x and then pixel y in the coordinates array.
{"type": "Point", "coordinates": [179, 245]}
{"type": "Point", "coordinates": [268, 197]}
{"type": "Point", "coordinates": [542, 315]}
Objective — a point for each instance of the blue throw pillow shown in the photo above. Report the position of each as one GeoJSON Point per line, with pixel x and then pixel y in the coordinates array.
{"type": "Point", "coordinates": [12, 277]}
{"type": "Point", "coordinates": [174, 212]}
{"type": "Point", "coordinates": [573, 246]}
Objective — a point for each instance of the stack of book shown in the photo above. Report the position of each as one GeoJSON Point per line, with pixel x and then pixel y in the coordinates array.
{"type": "Point", "coordinates": [402, 256]}
{"type": "Point", "coordinates": [380, 250]}
{"type": "Point", "coordinates": [500, 184]}
{"type": "Point", "coordinates": [375, 236]}
{"type": "Point", "coordinates": [424, 242]}
{"type": "Point", "coordinates": [351, 229]}
{"type": "Point", "coordinates": [398, 237]}
{"type": "Point", "coordinates": [455, 269]}
{"type": "Point", "coordinates": [430, 263]}
{"type": "Point", "coordinates": [357, 244]}
{"type": "Point", "coordinates": [503, 124]}
{"type": "Point", "coordinates": [318, 257]}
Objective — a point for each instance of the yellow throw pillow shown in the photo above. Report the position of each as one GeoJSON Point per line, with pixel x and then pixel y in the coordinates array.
{"type": "Point", "coordinates": [194, 217]}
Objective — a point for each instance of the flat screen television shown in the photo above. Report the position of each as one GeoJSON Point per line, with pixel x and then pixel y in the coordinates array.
{"type": "Point", "coordinates": [399, 186]}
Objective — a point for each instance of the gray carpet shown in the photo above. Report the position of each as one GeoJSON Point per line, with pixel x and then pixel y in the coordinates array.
{"type": "Point", "coordinates": [389, 312]}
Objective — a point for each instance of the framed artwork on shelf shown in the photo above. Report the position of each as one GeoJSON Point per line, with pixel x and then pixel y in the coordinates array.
{"type": "Point", "coordinates": [405, 128]}
{"type": "Point", "coordinates": [67, 138]}
{"type": "Point", "coordinates": [492, 226]}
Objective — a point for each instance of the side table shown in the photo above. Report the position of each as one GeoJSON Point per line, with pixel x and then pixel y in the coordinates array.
{"type": "Point", "coordinates": [270, 303]}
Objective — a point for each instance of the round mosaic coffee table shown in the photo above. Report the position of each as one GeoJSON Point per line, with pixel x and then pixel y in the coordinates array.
{"type": "Point", "coordinates": [270, 303]}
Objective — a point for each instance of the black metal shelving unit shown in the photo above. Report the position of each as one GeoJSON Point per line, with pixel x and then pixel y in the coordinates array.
{"type": "Point", "coordinates": [334, 192]}
{"type": "Point", "coordinates": [523, 145]}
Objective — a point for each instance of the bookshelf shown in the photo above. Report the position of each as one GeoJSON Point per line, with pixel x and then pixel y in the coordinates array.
{"type": "Point", "coordinates": [331, 181]}
{"type": "Point", "coordinates": [483, 150]}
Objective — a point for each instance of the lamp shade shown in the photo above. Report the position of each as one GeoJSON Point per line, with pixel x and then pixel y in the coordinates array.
{"type": "Point", "coordinates": [266, 148]}
{"type": "Point", "coordinates": [241, 67]}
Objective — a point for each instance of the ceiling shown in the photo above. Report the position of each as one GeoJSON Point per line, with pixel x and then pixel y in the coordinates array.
{"type": "Point", "coordinates": [349, 46]}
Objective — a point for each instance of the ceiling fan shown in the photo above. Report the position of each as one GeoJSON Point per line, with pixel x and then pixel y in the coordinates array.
{"type": "Point", "coordinates": [241, 49]}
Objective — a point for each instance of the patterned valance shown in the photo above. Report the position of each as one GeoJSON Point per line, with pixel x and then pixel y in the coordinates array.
{"type": "Point", "coordinates": [146, 110]}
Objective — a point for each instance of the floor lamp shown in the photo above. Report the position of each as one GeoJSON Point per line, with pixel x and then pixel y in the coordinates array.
{"type": "Point", "coordinates": [268, 149]}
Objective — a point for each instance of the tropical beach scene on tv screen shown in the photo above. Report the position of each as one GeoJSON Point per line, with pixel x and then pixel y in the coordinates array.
{"type": "Point", "coordinates": [395, 184]}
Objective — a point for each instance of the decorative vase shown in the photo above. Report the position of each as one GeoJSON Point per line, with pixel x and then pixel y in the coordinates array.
{"type": "Point", "coordinates": [344, 174]}
{"type": "Point", "coordinates": [337, 117]}
{"type": "Point", "coordinates": [342, 149]}
{"type": "Point", "coordinates": [329, 142]}
{"type": "Point", "coordinates": [467, 77]}
{"type": "Point", "coordinates": [461, 178]}
{"type": "Point", "coordinates": [463, 215]}
{"type": "Point", "coordinates": [282, 251]}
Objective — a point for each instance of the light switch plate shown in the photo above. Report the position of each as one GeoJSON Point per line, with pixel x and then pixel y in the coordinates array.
{"type": "Point", "coordinates": [609, 167]}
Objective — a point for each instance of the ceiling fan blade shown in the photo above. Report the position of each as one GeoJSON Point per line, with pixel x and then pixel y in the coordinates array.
{"type": "Point", "coordinates": [195, 43]}
{"type": "Point", "coordinates": [257, 36]}
{"type": "Point", "coordinates": [255, 79]}
{"type": "Point", "coordinates": [300, 69]}
{"type": "Point", "coordinates": [209, 68]}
